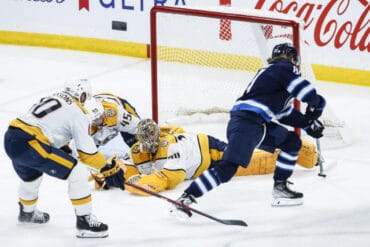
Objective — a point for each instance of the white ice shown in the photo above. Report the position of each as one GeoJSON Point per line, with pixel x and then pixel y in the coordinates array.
{"type": "Point", "coordinates": [336, 210]}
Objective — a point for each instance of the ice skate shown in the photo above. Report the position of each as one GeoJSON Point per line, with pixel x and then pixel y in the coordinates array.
{"type": "Point", "coordinates": [182, 213]}
{"type": "Point", "coordinates": [88, 226]}
{"type": "Point", "coordinates": [283, 196]}
{"type": "Point", "coordinates": [36, 216]}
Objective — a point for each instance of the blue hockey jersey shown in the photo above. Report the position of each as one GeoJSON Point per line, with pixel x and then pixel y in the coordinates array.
{"type": "Point", "coordinates": [272, 91]}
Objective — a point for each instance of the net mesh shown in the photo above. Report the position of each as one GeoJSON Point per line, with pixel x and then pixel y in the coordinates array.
{"type": "Point", "coordinates": [204, 64]}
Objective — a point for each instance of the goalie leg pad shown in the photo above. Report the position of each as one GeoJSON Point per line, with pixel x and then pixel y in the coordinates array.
{"type": "Point", "coordinates": [307, 156]}
{"type": "Point", "coordinates": [154, 182]}
{"type": "Point", "coordinates": [262, 162]}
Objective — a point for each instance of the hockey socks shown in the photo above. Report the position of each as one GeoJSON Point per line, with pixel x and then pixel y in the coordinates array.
{"type": "Point", "coordinates": [207, 181]}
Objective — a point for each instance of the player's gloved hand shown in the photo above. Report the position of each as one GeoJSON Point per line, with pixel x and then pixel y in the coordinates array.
{"type": "Point", "coordinates": [113, 173]}
{"type": "Point", "coordinates": [314, 113]}
{"type": "Point", "coordinates": [315, 129]}
{"type": "Point", "coordinates": [99, 181]}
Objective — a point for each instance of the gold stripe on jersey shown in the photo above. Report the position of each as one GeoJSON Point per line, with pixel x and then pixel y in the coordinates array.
{"type": "Point", "coordinates": [130, 109]}
{"type": "Point", "coordinates": [96, 160]}
{"type": "Point", "coordinates": [216, 154]}
{"type": "Point", "coordinates": [78, 103]}
{"type": "Point", "coordinates": [171, 129]}
{"type": "Point", "coordinates": [58, 159]}
{"type": "Point", "coordinates": [28, 202]}
{"type": "Point", "coordinates": [81, 201]}
{"type": "Point", "coordinates": [106, 95]}
{"type": "Point", "coordinates": [124, 103]}
{"type": "Point", "coordinates": [110, 113]}
{"type": "Point", "coordinates": [93, 129]}
{"type": "Point", "coordinates": [31, 130]}
{"type": "Point", "coordinates": [205, 155]}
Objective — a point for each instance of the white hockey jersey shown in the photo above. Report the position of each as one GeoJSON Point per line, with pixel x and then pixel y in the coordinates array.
{"type": "Point", "coordinates": [119, 116]}
{"type": "Point", "coordinates": [181, 152]}
{"type": "Point", "coordinates": [58, 119]}
{"type": "Point", "coordinates": [179, 157]}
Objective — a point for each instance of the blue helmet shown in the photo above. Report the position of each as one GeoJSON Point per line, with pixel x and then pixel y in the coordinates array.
{"type": "Point", "coordinates": [286, 49]}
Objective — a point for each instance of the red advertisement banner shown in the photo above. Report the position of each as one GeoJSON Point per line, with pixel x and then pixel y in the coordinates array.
{"type": "Point", "coordinates": [83, 4]}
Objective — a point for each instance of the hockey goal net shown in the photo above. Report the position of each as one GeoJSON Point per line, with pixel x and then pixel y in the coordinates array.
{"type": "Point", "coordinates": [202, 59]}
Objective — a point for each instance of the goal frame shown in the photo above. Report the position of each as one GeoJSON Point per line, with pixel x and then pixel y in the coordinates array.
{"type": "Point", "coordinates": [210, 14]}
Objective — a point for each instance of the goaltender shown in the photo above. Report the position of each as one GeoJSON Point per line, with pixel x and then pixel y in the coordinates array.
{"type": "Point", "coordinates": [166, 156]}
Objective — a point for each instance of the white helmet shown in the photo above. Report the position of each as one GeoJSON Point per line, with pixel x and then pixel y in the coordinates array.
{"type": "Point", "coordinates": [95, 111]}
{"type": "Point", "coordinates": [80, 89]}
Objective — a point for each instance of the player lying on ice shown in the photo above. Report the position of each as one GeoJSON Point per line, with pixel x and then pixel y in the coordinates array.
{"type": "Point", "coordinates": [165, 157]}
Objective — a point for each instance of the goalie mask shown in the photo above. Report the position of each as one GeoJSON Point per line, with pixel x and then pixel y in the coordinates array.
{"type": "Point", "coordinates": [148, 136]}
{"type": "Point", "coordinates": [286, 50]}
{"type": "Point", "coordinates": [80, 89]}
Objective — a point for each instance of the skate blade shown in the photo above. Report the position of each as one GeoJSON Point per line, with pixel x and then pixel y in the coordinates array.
{"type": "Point", "coordinates": [286, 202]}
{"type": "Point", "coordinates": [91, 234]}
{"type": "Point", "coordinates": [178, 214]}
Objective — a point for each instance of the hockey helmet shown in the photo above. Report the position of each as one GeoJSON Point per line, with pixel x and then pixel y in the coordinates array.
{"type": "Point", "coordinates": [79, 88]}
{"type": "Point", "coordinates": [288, 50]}
{"type": "Point", "coordinates": [95, 111]}
{"type": "Point", "coordinates": [148, 135]}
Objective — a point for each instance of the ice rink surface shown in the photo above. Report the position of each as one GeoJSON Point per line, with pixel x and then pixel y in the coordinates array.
{"type": "Point", "coordinates": [336, 211]}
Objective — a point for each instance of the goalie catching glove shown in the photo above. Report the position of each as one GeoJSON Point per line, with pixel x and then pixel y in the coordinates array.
{"type": "Point", "coordinates": [113, 173]}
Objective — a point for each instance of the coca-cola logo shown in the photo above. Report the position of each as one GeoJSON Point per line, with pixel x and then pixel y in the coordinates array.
{"type": "Point", "coordinates": [327, 28]}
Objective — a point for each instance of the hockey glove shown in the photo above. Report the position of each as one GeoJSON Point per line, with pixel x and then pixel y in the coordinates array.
{"type": "Point", "coordinates": [99, 181]}
{"type": "Point", "coordinates": [113, 174]}
{"type": "Point", "coordinates": [315, 129]}
{"type": "Point", "coordinates": [314, 113]}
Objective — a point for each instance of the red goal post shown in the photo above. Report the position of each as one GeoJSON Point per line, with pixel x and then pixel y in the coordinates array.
{"type": "Point", "coordinates": [242, 16]}
{"type": "Point", "coordinates": [203, 58]}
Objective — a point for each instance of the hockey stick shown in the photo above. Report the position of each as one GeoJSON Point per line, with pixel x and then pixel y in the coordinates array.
{"type": "Point", "coordinates": [225, 222]}
{"type": "Point", "coordinates": [321, 160]}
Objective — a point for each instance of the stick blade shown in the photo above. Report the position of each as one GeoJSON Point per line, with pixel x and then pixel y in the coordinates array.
{"type": "Point", "coordinates": [234, 222]}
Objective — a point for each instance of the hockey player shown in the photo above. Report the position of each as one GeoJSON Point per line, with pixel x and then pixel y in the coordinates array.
{"type": "Point", "coordinates": [162, 159]}
{"type": "Point", "coordinates": [36, 143]}
{"type": "Point", "coordinates": [165, 157]}
{"type": "Point", "coordinates": [269, 96]}
{"type": "Point", "coordinates": [114, 115]}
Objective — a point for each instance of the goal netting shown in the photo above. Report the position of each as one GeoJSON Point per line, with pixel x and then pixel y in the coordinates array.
{"type": "Point", "coordinates": [203, 58]}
